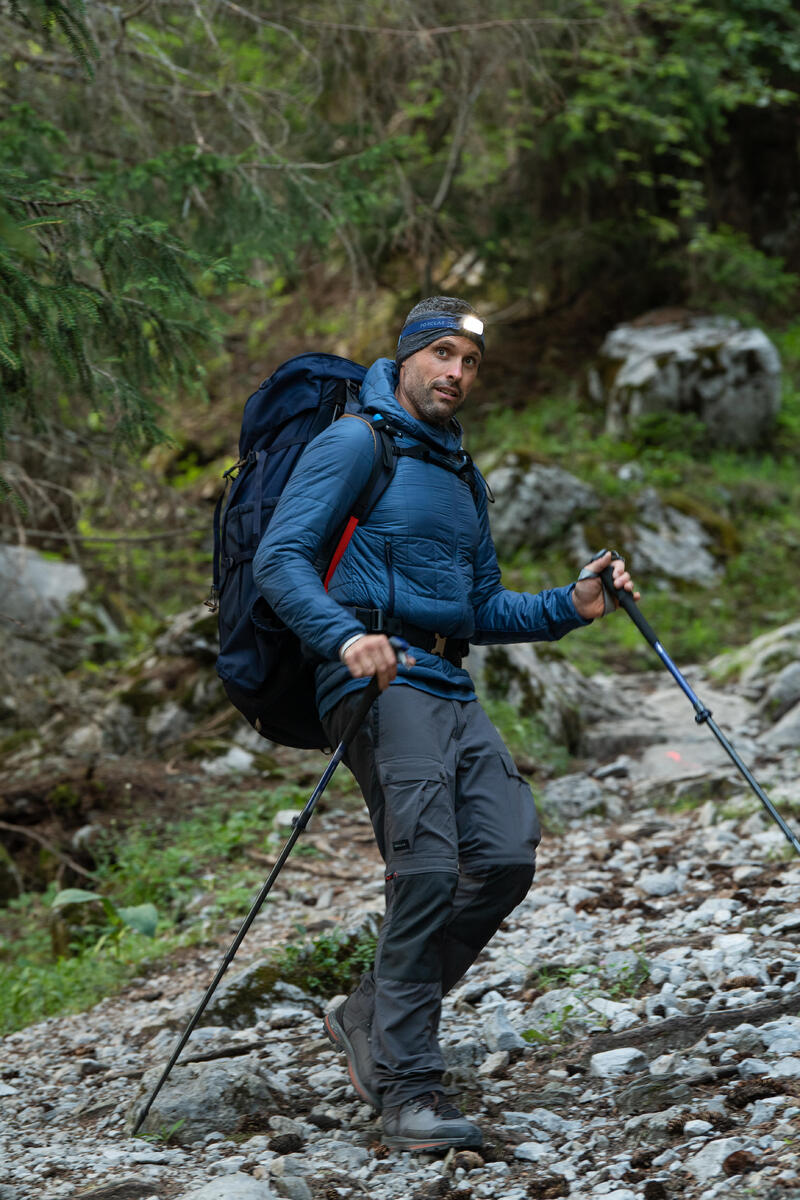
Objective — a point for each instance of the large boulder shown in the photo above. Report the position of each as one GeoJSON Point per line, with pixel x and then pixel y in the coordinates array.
{"type": "Point", "coordinates": [710, 367]}
{"type": "Point", "coordinates": [36, 589]}
{"type": "Point", "coordinates": [760, 664]}
{"type": "Point", "coordinates": [543, 686]}
{"type": "Point", "coordinates": [204, 1097]}
{"type": "Point", "coordinates": [534, 503]}
{"type": "Point", "coordinates": [671, 544]}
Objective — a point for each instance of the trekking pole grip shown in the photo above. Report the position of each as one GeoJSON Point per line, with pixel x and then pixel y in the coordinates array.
{"type": "Point", "coordinates": [626, 601]}
{"type": "Point", "coordinates": [370, 694]}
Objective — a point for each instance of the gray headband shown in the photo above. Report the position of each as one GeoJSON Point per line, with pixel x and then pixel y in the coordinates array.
{"type": "Point", "coordinates": [416, 335]}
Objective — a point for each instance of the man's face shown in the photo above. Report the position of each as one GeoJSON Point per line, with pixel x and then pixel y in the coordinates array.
{"type": "Point", "coordinates": [436, 381]}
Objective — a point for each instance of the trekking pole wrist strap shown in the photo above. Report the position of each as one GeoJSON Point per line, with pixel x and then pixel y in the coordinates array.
{"type": "Point", "coordinates": [351, 641]}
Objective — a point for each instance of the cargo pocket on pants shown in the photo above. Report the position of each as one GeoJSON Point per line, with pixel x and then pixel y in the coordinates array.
{"type": "Point", "coordinates": [419, 816]}
{"type": "Point", "coordinates": [522, 809]}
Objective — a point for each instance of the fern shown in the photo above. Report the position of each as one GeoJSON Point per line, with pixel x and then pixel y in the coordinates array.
{"type": "Point", "coordinates": [94, 303]}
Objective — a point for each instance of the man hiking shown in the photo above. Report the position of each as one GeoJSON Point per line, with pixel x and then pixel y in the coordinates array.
{"type": "Point", "coordinates": [454, 821]}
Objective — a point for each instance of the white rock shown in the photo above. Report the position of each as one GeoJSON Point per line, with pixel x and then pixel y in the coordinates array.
{"type": "Point", "coordinates": [766, 1109]}
{"type": "Point", "coordinates": [36, 588]}
{"type": "Point", "coordinates": [660, 883]}
{"type": "Point", "coordinates": [785, 735]}
{"type": "Point", "coordinates": [787, 1068]}
{"type": "Point", "coordinates": [733, 945]}
{"type": "Point", "coordinates": [708, 1162]}
{"type": "Point", "coordinates": [494, 1064]}
{"type": "Point", "coordinates": [610, 1063]}
{"type": "Point", "coordinates": [624, 1020]}
{"type": "Point", "coordinates": [233, 1187]}
{"type": "Point", "coordinates": [499, 1033]}
{"type": "Point", "coordinates": [750, 1068]}
{"type": "Point", "coordinates": [534, 1152]}
{"type": "Point", "coordinates": [236, 761]}
{"type": "Point", "coordinates": [697, 1128]}
{"type": "Point", "coordinates": [785, 1045]}
{"type": "Point", "coordinates": [550, 1121]}
{"type": "Point", "coordinates": [607, 1008]}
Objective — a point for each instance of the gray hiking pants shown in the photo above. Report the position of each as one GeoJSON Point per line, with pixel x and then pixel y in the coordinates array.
{"type": "Point", "coordinates": [457, 829]}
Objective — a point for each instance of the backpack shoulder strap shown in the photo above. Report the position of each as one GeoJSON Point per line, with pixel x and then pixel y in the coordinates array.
{"type": "Point", "coordinates": [462, 465]}
{"type": "Point", "coordinates": [383, 466]}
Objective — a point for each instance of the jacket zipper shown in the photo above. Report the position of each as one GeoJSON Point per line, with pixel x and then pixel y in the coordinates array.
{"type": "Point", "coordinates": [387, 553]}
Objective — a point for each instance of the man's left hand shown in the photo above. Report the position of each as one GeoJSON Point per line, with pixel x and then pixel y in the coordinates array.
{"type": "Point", "coordinates": [587, 595]}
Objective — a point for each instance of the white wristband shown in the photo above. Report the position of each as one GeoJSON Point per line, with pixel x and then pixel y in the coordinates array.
{"type": "Point", "coordinates": [345, 646]}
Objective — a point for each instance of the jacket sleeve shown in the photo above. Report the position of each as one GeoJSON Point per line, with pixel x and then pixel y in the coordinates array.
{"type": "Point", "coordinates": [311, 514]}
{"type": "Point", "coordinates": [505, 616]}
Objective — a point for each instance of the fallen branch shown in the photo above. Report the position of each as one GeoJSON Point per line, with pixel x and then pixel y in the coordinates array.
{"type": "Point", "coordinates": [48, 845]}
{"type": "Point", "coordinates": [679, 1032]}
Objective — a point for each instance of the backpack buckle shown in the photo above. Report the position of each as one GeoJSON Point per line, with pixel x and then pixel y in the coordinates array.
{"type": "Point", "coordinates": [440, 645]}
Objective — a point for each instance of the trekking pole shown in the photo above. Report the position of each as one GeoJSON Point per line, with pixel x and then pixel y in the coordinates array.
{"type": "Point", "coordinates": [298, 825]}
{"type": "Point", "coordinates": [702, 714]}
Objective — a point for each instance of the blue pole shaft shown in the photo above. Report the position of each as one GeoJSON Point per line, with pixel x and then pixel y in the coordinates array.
{"type": "Point", "coordinates": [702, 714]}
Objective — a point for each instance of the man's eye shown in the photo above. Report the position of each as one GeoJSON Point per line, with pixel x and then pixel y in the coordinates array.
{"type": "Point", "coordinates": [441, 351]}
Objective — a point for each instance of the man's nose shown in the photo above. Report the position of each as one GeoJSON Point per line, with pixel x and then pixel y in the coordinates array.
{"type": "Point", "coordinates": [455, 369]}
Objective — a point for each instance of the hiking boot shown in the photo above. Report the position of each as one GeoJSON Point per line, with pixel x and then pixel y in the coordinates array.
{"type": "Point", "coordinates": [428, 1122]}
{"type": "Point", "coordinates": [353, 1039]}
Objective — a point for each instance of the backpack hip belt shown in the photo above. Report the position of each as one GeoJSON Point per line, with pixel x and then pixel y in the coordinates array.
{"type": "Point", "coordinates": [375, 620]}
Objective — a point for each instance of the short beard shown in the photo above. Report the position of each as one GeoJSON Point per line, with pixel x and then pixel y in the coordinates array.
{"type": "Point", "coordinates": [431, 410]}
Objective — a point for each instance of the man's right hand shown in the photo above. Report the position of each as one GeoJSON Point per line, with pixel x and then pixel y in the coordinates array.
{"type": "Point", "coordinates": [373, 654]}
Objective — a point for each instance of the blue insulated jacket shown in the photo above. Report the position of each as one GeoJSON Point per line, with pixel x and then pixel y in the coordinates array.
{"type": "Point", "coordinates": [424, 554]}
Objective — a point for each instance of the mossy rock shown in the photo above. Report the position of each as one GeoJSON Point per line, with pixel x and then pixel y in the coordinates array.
{"type": "Point", "coordinates": [142, 697]}
{"type": "Point", "coordinates": [16, 740]}
{"type": "Point", "coordinates": [727, 539]}
{"type": "Point", "coordinates": [500, 675]}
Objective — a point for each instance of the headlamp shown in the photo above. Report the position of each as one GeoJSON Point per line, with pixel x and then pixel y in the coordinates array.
{"type": "Point", "coordinates": [466, 322]}
{"type": "Point", "coordinates": [472, 324]}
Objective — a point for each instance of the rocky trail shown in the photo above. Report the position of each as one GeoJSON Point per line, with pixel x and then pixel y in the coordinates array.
{"type": "Point", "coordinates": [632, 1031]}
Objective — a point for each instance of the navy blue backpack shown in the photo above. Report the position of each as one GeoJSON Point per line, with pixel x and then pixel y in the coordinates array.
{"type": "Point", "coordinates": [263, 666]}
{"type": "Point", "coordinates": [261, 663]}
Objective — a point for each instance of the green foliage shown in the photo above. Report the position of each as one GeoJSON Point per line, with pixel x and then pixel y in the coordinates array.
{"type": "Point", "coordinates": [165, 1135]}
{"type": "Point", "coordinates": [166, 864]}
{"type": "Point", "coordinates": [58, 18]}
{"type": "Point", "coordinates": [50, 965]}
{"type": "Point", "coordinates": [143, 918]}
{"type": "Point", "coordinates": [330, 964]}
{"type": "Point", "coordinates": [35, 983]}
{"type": "Point", "coordinates": [728, 271]}
{"type": "Point", "coordinates": [527, 737]}
{"type": "Point", "coordinates": [93, 302]}
{"type": "Point", "coordinates": [553, 146]}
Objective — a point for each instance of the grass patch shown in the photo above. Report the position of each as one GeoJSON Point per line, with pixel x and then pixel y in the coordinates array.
{"type": "Point", "coordinates": [527, 737]}
{"type": "Point", "coordinates": [193, 871]}
{"type": "Point", "coordinates": [331, 963]}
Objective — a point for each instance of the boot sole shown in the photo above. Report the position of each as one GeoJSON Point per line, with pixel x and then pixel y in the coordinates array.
{"type": "Point", "coordinates": [341, 1041]}
{"type": "Point", "coordinates": [422, 1144]}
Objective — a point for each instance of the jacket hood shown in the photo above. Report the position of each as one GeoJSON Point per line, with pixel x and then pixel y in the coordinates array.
{"type": "Point", "coordinates": [377, 395]}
